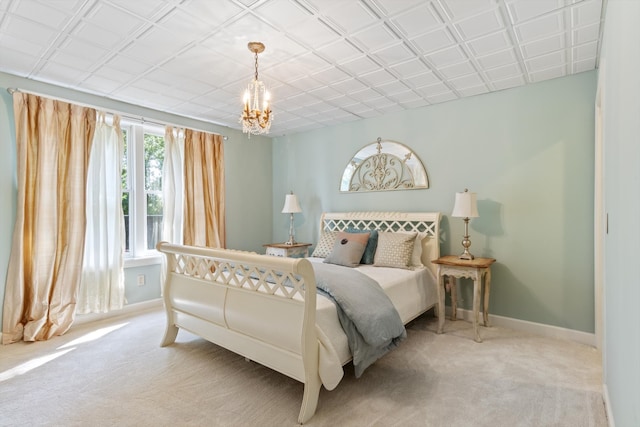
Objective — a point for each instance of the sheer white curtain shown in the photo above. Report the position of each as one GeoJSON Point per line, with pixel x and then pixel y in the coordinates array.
{"type": "Point", "coordinates": [172, 190]}
{"type": "Point", "coordinates": [102, 285]}
{"type": "Point", "coordinates": [173, 185]}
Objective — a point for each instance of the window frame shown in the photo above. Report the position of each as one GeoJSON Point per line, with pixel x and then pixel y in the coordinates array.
{"type": "Point", "coordinates": [138, 254]}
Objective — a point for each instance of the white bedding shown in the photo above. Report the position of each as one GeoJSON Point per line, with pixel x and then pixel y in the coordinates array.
{"type": "Point", "coordinates": [412, 292]}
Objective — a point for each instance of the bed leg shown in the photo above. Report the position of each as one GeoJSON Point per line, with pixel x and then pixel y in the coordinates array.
{"type": "Point", "coordinates": [309, 400]}
{"type": "Point", "coordinates": [169, 335]}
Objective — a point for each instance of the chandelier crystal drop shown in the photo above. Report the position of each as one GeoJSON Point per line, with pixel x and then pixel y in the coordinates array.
{"type": "Point", "coordinates": [256, 114]}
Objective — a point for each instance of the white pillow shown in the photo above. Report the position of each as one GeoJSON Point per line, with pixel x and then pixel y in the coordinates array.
{"type": "Point", "coordinates": [417, 249]}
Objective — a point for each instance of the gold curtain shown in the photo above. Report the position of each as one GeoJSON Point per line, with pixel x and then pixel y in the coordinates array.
{"type": "Point", "coordinates": [53, 141]}
{"type": "Point", "coordinates": [204, 203]}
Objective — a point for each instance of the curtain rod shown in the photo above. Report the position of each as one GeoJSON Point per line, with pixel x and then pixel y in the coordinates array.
{"type": "Point", "coordinates": [12, 90]}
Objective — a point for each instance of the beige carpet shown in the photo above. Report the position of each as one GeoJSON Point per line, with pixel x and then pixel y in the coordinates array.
{"type": "Point", "coordinates": [114, 373]}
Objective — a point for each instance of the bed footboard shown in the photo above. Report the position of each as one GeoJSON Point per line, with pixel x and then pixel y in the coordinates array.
{"type": "Point", "coordinates": [258, 306]}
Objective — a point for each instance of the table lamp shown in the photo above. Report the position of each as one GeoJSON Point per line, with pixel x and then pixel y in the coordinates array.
{"type": "Point", "coordinates": [466, 206]}
{"type": "Point", "coordinates": [291, 206]}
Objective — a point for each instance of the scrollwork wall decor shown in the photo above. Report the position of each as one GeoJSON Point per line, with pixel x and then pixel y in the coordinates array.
{"type": "Point", "coordinates": [384, 166]}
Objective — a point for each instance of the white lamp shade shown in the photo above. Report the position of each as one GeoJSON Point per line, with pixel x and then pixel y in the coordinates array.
{"type": "Point", "coordinates": [291, 204]}
{"type": "Point", "coordinates": [466, 205]}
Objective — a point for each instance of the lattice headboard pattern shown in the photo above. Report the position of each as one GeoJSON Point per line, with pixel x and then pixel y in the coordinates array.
{"type": "Point", "coordinates": [422, 222]}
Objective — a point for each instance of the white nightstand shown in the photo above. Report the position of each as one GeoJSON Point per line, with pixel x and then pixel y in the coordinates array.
{"type": "Point", "coordinates": [297, 250]}
{"type": "Point", "coordinates": [476, 269]}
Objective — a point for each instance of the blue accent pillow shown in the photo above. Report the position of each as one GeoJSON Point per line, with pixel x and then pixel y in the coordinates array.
{"type": "Point", "coordinates": [372, 244]}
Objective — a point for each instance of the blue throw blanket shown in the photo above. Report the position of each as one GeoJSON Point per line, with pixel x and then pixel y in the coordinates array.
{"type": "Point", "coordinates": [369, 319]}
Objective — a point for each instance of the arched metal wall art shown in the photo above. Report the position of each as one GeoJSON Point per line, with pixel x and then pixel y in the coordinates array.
{"type": "Point", "coordinates": [383, 166]}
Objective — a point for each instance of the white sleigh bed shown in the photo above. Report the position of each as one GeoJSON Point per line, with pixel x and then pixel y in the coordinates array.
{"type": "Point", "coordinates": [266, 308]}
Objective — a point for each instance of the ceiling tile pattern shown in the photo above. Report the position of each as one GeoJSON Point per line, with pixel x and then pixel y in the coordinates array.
{"type": "Point", "coordinates": [326, 61]}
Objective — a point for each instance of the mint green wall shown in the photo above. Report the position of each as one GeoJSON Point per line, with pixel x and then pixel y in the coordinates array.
{"type": "Point", "coordinates": [248, 173]}
{"type": "Point", "coordinates": [134, 293]}
{"type": "Point", "coordinates": [8, 190]}
{"type": "Point", "coordinates": [529, 154]}
{"type": "Point", "coordinates": [619, 88]}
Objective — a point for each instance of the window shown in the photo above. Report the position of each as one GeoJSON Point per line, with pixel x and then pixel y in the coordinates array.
{"type": "Point", "coordinates": [142, 203]}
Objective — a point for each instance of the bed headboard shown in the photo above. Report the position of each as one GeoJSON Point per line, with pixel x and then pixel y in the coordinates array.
{"type": "Point", "coordinates": [423, 222]}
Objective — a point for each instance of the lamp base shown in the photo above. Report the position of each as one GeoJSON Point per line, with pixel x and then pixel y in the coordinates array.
{"type": "Point", "coordinates": [466, 243]}
{"type": "Point", "coordinates": [292, 240]}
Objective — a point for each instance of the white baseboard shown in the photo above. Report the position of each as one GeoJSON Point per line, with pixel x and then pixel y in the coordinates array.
{"type": "Point", "coordinates": [507, 322]}
{"type": "Point", "coordinates": [82, 319]}
{"type": "Point", "coordinates": [531, 327]}
{"type": "Point", "coordinates": [607, 406]}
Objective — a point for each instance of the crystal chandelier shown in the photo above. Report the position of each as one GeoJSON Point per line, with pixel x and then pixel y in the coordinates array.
{"type": "Point", "coordinates": [256, 115]}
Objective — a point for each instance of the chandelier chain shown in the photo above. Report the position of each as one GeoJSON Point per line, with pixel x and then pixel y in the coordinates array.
{"type": "Point", "coordinates": [256, 66]}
